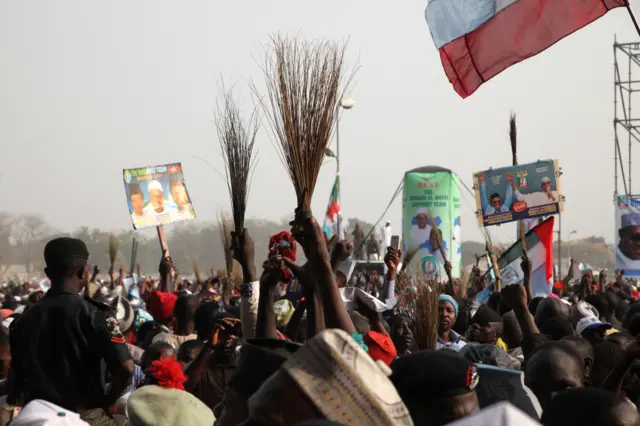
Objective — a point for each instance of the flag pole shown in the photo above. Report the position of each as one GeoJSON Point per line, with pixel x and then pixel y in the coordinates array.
{"type": "Point", "coordinates": [514, 151]}
{"type": "Point", "coordinates": [633, 18]}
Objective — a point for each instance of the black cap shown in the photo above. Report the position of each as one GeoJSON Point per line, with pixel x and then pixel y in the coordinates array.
{"type": "Point", "coordinates": [484, 315]}
{"type": "Point", "coordinates": [430, 375]}
{"type": "Point", "coordinates": [259, 359]}
{"type": "Point", "coordinates": [65, 250]}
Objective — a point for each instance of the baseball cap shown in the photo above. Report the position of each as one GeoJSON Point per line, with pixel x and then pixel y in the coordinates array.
{"type": "Point", "coordinates": [591, 322]}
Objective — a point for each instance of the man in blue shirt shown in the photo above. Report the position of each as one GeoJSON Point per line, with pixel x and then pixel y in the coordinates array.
{"type": "Point", "coordinates": [495, 204]}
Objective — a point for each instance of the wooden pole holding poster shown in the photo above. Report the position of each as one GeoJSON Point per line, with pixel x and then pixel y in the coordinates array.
{"type": "Point", "coordinates": [494, 265]}
{"type": "Point", "coordinates": [514, 152]}
{"type": "Point", "coordinates": [162, 239]}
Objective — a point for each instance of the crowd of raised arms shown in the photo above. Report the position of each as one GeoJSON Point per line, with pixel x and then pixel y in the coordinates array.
{"type": "Point", "coordinates": [235, 349]}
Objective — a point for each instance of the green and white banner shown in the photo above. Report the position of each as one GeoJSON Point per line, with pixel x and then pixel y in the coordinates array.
{"type": "Point", "coordinates": [431, 191]}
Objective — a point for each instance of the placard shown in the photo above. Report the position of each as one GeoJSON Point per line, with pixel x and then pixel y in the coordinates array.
{"type": "Point", "coordinates": [627, 235]}
{"type": "Point", "coordinates": [157, 195]}
{"type": "Point", "coordinates": [520, 192]}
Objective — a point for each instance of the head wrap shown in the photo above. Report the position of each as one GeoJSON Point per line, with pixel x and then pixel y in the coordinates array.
{"type": "Point", "coordinates": [142, 316]}
{"type": "Point", "coordinates": [167, 373]}
{"type": "Point", "coordinates": [447, 298]}
{"type": "Point", "coordinates": [161, 306]}
{"type": "Point", "coordinates": [380, 347]}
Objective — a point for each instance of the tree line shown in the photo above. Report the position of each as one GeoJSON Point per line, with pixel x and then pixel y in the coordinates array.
{"type": "Point", "coordinates": [23, 237]}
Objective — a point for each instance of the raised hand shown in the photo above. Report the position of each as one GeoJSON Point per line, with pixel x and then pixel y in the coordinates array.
{"type": "Point", "coordinates": [514, 297]}
{"type": "Point", "coordinates": [244, 252]}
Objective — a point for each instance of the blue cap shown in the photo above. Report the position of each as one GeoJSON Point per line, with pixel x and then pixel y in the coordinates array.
{"type": "Point", "coordinates": [447, 298]}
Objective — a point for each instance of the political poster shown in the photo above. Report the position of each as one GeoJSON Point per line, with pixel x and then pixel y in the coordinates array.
{"type": "Point", "coordinates": [431, 192]}
{"type": "Point", "coordinates": [157, 195]}
{"type": "Point", "coordinates": [515, 193]}
{"type": "Point", "coordinates": [627, 235]}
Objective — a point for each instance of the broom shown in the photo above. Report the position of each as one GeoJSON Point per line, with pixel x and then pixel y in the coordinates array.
{"type": "Point", "coordinates": [225, 226]}
{"type": "Point", "coordinates": [237, 138]}
{"type": "Point", "coordinates": [114, 245]}
{"type": "Point", "coordinates": [134, 256]}
{"type": "Point", "coordinates": [305, 82]}
{"type": "Point", "coordinates": [421, 309]}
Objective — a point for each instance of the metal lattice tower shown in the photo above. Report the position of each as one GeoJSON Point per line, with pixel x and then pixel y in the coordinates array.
{"type": "Point", "coordinates": [626, 57]}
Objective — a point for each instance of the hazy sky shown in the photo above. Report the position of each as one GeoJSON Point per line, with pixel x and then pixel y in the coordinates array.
{"type": "Point", "coordinates": [89, 88]}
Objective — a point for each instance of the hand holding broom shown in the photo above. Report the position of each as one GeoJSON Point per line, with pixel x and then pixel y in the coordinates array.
{"type": "Point", "coordinates": [237, 139]}
{"type": "Point", "coordinates": [244, 252]}
{"type": "Point", "coordinates": [312, 239]}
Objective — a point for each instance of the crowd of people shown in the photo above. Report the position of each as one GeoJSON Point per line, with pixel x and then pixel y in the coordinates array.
{"type": "Point", "coordinates": [229, 351]}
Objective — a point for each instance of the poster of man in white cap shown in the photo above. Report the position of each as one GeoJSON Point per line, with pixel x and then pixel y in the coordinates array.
{"type": "Point", "coordinates": [515, 193]}
{"type": "Point", "coordinates": [627, 235]}
{"type": "Point", "coordinates": [157, 195]}
{"type": "Point", "coordinates": [421, 230]}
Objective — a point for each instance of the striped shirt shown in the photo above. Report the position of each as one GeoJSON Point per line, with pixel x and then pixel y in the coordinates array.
{"type": "Point", "coordinates": [455, 342]}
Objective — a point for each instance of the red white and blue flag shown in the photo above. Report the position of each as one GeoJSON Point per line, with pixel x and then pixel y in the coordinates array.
{"type": "Point", "coordinates": [539, 243]}
{"type": "Point", "coordinates": [330, 225]}
{"type": "Point", "coordinates": [478, 39]}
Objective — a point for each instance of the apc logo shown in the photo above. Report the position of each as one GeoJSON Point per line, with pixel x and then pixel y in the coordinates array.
{"type": "Point", "coordinates": [429, 267]}
{"type": "Point", "coordinates": [127, 176]}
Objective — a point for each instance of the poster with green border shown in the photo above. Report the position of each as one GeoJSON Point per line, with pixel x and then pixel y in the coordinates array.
{"type": "Point", "coordinates": [431, 191]}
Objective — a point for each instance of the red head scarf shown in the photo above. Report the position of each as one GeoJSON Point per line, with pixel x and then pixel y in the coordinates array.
{"type": "Point", "coordinates": [380, 347]}
{"type": "Point", "coordinates": [161, 306]}
{"type": "Point", "coordinates": [167, 373]}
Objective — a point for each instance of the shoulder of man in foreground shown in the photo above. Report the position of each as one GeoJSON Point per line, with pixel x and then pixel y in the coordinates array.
{"type": "Point", "coordinates": [97, 304]}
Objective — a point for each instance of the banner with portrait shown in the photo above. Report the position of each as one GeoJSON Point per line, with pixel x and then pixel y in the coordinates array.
{"type": "Point", "coordinates": [627, 235]}
{"type": "Point", "coordinates": [431, 192]}
{"type": "Point", "coordinates": [157, 195]}
{"type": "Point", "coordinates": [515, 193]}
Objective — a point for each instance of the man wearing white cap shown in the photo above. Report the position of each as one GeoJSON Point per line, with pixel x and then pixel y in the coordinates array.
{"type": "Point", "coordinates": [539, 198]}
{"type": "Point", "coordinates": [157, 204]}
{"type": "Point", "coordinates": [628, 250]}
{"type": "Point", "coordinates": [421, 231]}
{"type": "Point", "coordinates": [592, 329]}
